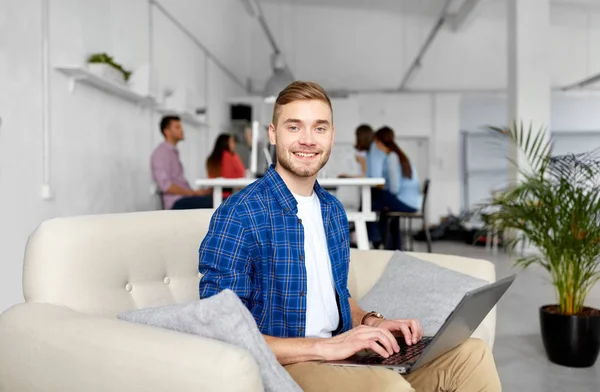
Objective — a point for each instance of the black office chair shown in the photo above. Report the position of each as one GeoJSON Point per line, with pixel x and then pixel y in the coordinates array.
{"type": "Point", "coordinates": [407, 217]}
{"type": "Point", "coordinates": [161, 200]}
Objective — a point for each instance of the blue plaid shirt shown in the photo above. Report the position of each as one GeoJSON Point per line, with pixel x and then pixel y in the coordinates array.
{"type": "Point", "coordinates": [255, 247]}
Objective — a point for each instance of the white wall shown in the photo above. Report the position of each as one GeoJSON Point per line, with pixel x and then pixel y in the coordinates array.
{"type": "Point", "coordinates": [99, 143]}
{"type": "Point", "coordinates": [570, 111]}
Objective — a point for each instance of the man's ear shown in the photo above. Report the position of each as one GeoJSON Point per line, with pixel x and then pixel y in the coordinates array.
{"type": "Point", "coordinates": [272, 136]}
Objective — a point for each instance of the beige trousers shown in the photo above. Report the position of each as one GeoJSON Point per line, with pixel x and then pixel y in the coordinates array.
{"type": "Point", "coordinates": [469, 367]}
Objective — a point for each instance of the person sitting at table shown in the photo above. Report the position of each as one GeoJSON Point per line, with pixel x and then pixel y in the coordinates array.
{"type": "Point", "coordinates": [223, 162]}
{"type": "Point", "coordinates": [364, 138]}
{"type": "Point", "coordinates": [402, 190]}
{"type": "Point", "coordinates": [167, 171]}
{"type": "Point", "coordinates": [376, 160]}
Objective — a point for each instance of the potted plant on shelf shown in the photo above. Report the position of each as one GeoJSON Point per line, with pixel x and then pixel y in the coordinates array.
{"type": "Point", "coordinates": [104, 65]}
{"type": "Point", "coordinates": [554, 206]}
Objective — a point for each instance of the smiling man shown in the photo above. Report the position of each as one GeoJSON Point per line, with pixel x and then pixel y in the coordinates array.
{"type": "Point", "coordinates": [282, 245]}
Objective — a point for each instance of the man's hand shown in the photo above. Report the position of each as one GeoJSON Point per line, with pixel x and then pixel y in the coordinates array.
{"type": "Point", "coordinates": [360, 338]}
{"type": "Point", "coordinates": [202, 192]}
{"type": "Point", "coordinates": [410, 328]}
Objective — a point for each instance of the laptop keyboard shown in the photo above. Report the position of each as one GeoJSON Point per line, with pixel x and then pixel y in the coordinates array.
{"type": "Point", "coordinates": [406, 354]}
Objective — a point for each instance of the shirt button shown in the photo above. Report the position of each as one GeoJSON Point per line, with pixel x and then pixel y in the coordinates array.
{"type": "Point", "coordinates": [299, 220]}
{"type": "Point", "coordinates": [302, 293]}
{"type": "Point", "coordinates": [301, 257]}
{"type": "Point", "coordinates": [301, 331]}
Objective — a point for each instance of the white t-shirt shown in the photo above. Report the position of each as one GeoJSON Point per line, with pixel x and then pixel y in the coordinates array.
{"type": "Point", "coordinates": [322, 315]}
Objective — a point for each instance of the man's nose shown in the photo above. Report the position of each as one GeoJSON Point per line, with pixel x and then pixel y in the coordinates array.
{"type": "Point", "coordinates": [306, 137]}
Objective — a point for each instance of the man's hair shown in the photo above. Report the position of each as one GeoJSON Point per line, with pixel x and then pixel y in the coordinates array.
{"type": "Point", "coordinates": [166, 121]}
{"type": "Point", "coordinates": [300, 91]}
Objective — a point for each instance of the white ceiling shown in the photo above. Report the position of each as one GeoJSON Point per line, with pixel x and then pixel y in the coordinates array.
{"type": "Point", "coordinates": [426, 7]}
{"type": "Point", "coordinates": [470, 59]}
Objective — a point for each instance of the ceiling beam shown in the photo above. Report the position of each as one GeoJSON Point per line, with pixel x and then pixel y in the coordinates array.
{"type": "Point", "coordinates": [416, 64]}
{"type": "Point", "coordinates": [464, 16]}
{"type": "Point", "coordinates": [583, 83]}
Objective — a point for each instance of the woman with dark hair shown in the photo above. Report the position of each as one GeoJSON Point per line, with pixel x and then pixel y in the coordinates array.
{"type": "Point", "coordinates": [402, 190]}
{"type": "Point", "coordinates": [224, 162]}
{"type": "Point", "coordinates": [364, 138]}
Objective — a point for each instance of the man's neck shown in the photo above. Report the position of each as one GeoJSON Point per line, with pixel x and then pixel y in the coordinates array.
{"type": "Point", "coordinates": [301, 186]}
{"type": "Point", "coordinates": [172, 142]}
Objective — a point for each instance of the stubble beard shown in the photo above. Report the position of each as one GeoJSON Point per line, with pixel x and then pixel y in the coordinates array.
{"type": "Point", "coordinates": [285, 160]}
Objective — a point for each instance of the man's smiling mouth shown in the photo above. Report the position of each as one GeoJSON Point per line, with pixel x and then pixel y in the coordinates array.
{"type": "Point", "coordinates": [305, 154]}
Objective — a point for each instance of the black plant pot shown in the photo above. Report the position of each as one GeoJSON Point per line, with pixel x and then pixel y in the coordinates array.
{"type": "Point", "coordinates": [572, 341]}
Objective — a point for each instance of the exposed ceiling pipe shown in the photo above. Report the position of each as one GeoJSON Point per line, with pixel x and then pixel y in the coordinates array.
{"type": "Point", "coordinates": [255, 10]}
{"type": "Point", "coordinates": [464, 14]}
{"type": "Point", "coordinates": [583, 83]}
{"type": "Point", "coordinates": [416, 64]}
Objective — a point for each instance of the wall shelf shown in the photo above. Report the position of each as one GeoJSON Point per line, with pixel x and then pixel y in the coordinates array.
{"type": "Point", "coordinates": [81, 74]}
{"type": "Point", "coordinates": [185, 116]}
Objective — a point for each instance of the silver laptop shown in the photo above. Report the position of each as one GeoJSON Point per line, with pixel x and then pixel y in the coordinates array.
{"type": "Point", "coordinates": [458, 327]}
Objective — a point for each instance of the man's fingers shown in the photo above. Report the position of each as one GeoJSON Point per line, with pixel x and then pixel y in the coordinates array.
{"type": "Point", "coordinates": [378, 349]}
{"type": "Point", "coordinates": [416, 331]}
{"type": "Point", "coordinates": [406, 332]}
{"type": "Point", "coordinates": [419, 329]}
{"type": "Point", "coordinates": [377, 335]}
{"type": "Point", "coordinates": [392, 339]}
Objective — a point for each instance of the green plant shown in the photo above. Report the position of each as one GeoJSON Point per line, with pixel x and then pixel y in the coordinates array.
{"type": "Point", "coordinates": [555, 206]}
{"type": "Point", "coordinates": [104, 58]}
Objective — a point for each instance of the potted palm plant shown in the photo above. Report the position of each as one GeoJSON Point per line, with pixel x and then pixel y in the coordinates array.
{"type": "Point", "coordinates": [554, 207]}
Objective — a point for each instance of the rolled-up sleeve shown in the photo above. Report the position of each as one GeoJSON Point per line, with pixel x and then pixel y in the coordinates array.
{"type": "Point", "coordinates": [224, 257]}
{"type": "Point", "coordinates": [160, 164]}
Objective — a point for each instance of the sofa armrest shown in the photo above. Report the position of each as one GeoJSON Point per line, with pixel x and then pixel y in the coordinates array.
{"type": "Point", "coordinates": [52, 348]}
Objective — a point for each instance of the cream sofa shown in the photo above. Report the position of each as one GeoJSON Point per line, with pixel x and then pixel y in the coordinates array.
{"type": "Point", "coordinates": [80, 272]}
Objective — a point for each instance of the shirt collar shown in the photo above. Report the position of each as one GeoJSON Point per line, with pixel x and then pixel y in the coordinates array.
{"type": "Point", "coordinates": [284, 197]}
{"type": "Point", "coordinates": [169, 145]}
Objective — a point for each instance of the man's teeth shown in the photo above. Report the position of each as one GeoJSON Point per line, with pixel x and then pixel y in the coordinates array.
{"type": "Point", "coordinates": [301, 154]}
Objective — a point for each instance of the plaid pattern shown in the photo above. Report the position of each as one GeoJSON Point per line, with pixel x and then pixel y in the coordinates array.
{"type": "Point", "coordinates": [255, 247]}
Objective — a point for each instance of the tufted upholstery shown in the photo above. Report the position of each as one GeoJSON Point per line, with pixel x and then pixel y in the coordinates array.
{"type": "Point", "coordinates": [106, 264]}
{"type": "Point", "coordinates": [79, 272]}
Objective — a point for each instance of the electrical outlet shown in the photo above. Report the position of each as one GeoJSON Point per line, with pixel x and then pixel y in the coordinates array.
{"type": "Point", "coordinates": [46, 192]}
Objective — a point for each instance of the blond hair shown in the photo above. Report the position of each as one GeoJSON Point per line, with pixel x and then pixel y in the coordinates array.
{"type": "Point", "coordinates": [300, 91]}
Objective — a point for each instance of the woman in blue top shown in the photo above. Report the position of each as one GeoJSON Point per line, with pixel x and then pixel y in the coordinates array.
{"type": "Point", "coordinates": [402, 190]}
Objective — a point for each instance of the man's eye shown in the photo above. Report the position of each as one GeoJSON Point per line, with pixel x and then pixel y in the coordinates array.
{"type": "Point", "coordinates": [293, 128]}
{"type": "Point", "coordinates": [321, 129]}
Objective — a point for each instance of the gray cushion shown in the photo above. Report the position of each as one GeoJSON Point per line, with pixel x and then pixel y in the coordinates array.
{"type": "Point", "coordinates": [221, 317]}
{"type": "Point", "coordinates": [413, 288]}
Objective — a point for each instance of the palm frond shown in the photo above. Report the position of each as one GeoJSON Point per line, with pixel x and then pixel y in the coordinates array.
{"type": "Point", "coordinates": [554, 206]}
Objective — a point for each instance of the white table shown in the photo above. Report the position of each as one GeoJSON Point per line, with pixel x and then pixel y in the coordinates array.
{"type": "Point", "coordinates": [360, 218]}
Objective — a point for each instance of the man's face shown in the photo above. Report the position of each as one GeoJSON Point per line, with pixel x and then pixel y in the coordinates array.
{"type": "Point", "coordinates": [174, 131]}
{"type": "Point", "coordinates": [303, 137]}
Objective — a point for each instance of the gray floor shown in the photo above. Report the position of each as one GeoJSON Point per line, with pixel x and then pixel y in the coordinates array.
{"type": "Point", "coordinates": [518, 349]}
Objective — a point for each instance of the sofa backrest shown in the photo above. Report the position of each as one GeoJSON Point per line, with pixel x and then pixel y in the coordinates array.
{"type": "Point", "coordinates": [105, 264]}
